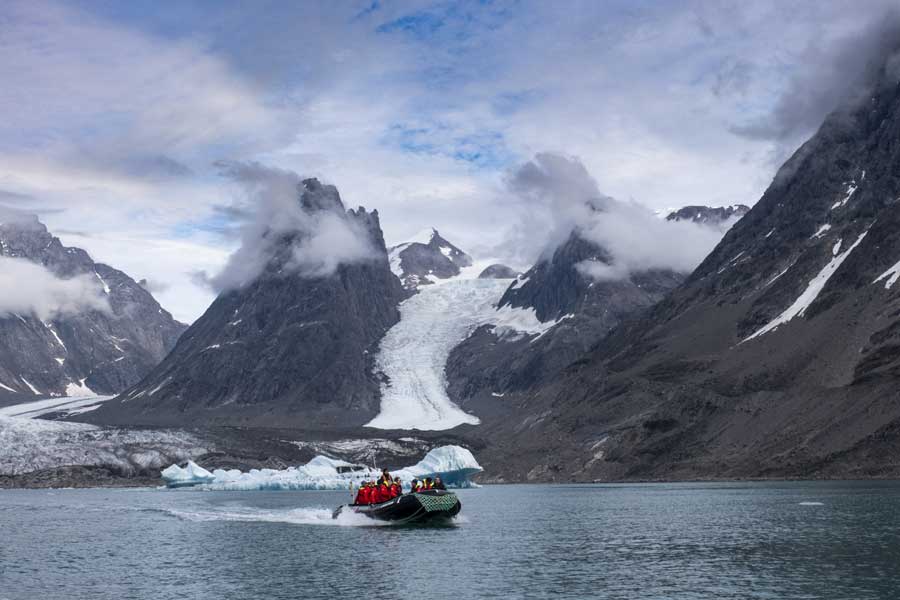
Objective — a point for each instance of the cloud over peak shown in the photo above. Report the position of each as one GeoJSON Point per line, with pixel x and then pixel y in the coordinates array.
{"type": "Point", "coordinates": [559, 196]}
{"type": "Point", "coordinates": [31, 289]}
{"type": "Point", "coordinates": [319, 239]}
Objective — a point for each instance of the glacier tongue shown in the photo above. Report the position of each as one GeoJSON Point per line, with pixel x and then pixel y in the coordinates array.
{"type": "Point", "coordinates": [414, 352]}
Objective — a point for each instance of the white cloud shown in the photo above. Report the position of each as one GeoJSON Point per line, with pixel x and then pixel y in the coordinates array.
{"type": "Point", "coordinates": [29, 288]}
{"type": "Point", "coordinates": [559, 195]}
{"type": "Point", "coordinates": [320, 240]}
{"type": "Point", "coordinates": [115, 120]}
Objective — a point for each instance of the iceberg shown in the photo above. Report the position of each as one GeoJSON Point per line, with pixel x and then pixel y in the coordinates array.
{"type": "Point", "coordinates": [192, 474]}
{"type": "Point", "coordinates": [453, 464]}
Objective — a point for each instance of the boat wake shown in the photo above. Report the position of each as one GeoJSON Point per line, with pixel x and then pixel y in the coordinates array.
{"type": "Point", "coordinates": [295, 516]}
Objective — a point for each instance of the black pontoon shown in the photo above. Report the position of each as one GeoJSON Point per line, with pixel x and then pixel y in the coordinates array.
{"type": "Point", "coordinates": [418, 507]}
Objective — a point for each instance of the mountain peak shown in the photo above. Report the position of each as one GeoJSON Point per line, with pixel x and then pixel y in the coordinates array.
{"type": "Point", "coordinates": [426, 258]}
{"type": "Point", "coordinates": [314, 196]}
{"type": "Point", "coordinates": [76, 347]}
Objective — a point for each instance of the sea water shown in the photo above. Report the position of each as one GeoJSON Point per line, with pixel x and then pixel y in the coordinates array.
{"type": "Point", "coordinates": [740, 540]}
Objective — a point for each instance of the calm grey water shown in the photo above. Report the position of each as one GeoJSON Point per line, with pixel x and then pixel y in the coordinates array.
{"type": "Point", "coordinates": [754, 540]}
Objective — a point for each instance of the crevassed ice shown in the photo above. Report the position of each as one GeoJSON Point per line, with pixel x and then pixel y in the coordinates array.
{"type": "Point", "coordinates": [455, 466]}
{"type": "Point", "coordinates": [414, 352]}
{"type": "Point", "coordinates": [34, 444]}
{"type": "Point", "coordinates": [810, 293]}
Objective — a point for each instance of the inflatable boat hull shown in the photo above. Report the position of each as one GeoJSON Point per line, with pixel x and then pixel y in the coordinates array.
{"type": "Point", "coordinates": [431, 505]}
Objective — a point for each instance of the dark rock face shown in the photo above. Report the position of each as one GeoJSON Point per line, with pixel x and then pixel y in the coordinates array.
{"type": "Point", "coordinates": [418, 263]}
{"type": "Point", "coordinates": [104, 351]}
{"type": "Point", "coordinates": [486, 367]}
{"type": "Point", "coordinates": [555, 287]}
{"type": "Point", "coordinates": [286, 350]}
{"type": "Point", "coordinates": [708, 215]}
{"type": "Point", "coordinates": [498, 271]}
{"type": "Point", "coordinates": [777, 357]}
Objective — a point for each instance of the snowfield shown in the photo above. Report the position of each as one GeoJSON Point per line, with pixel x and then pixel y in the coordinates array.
{"type": "Point", "coordinates": [67, 406]}
{"type": "Point", "coordinates": [414, 352]}
{"type": "Point", "coordinates": [455, 465]}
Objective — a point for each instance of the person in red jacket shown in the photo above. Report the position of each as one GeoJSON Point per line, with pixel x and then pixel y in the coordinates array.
{"type": "Point", "coordinates": [362, 494]}
{"type": "Point", "coordinates": [384, 491]}
{"type": "Point", "coordinates": [396, 488]}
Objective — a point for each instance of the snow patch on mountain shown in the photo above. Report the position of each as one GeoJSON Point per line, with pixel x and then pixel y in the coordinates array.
{"type": "Point", "coordinates": [79, 389]}
{"type": "Point", "coordinates": [33, 389]}
{"type": "Point", "coordinates": [38, 408]}
{"type": "Point", "coordinates": [809, 295]}
{"type": "Point", "coordinates": [851, 189]}
{"type": "Point", "coordinates": [821, 231]}
{"type": "Point", "coordinates": [891, 275]}
{"type": "Point", "coordinates": [515, 322]}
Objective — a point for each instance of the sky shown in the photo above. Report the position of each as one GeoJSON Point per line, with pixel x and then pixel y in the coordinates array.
{"type": "Point", "coordinates": [119, 116]}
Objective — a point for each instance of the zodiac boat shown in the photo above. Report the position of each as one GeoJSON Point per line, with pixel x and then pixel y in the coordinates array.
{"type": "Point", "coordinates": [418, 507]}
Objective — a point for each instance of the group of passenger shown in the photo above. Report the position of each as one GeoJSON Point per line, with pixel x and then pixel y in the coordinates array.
{"type": "Point", "coordinates": [387, 488]}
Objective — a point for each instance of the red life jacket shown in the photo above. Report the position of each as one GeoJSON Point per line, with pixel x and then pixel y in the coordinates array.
{"type": "Point", "coordinates": [395, 490]}
{"type": "Point", "coordinates": [363, 496]}
{"type": "Point", "coordinates": [384, 493]}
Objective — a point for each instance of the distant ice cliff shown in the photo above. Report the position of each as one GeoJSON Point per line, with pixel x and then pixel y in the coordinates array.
{"type": "Point", "coordinates": [454, 465]}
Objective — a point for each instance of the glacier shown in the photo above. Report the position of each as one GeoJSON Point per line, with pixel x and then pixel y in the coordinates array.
{"type": "Point", "coordinates": [414, 352]}
{"type": "Point", "coordinates": [455, 466]}
{"type": "Point", "coordinates": [28, 445]}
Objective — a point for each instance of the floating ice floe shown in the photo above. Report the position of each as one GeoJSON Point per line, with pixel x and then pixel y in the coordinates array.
{"type": "Point", "coordinates": [191, 474]}
{"type": "Point", "coordinates": [453, 464]}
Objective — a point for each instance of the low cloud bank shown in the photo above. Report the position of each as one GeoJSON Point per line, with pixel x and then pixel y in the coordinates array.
{"type": "Point", "coordinates": [30, 289]}
{"type": "Point", "coordinates": [557, 195]}
{"type": "Point", "coordinates": [842, 74]}
{"type": "Point", "coordinates": [269, 203]}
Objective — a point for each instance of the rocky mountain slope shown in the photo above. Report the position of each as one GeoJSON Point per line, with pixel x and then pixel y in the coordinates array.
{"type": "Point", "coordinates": [777, 357]}
{"type": "Point", "coordinates": [78, 352]}
{"type": "Point", "coordinates": [709, 215]}
{"type": "Point", "coordinates": [427, 258]}
{"type": "Point", "coordinates": [287, 349]}
{"type": "Point", "coordinates": [577, 311]}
